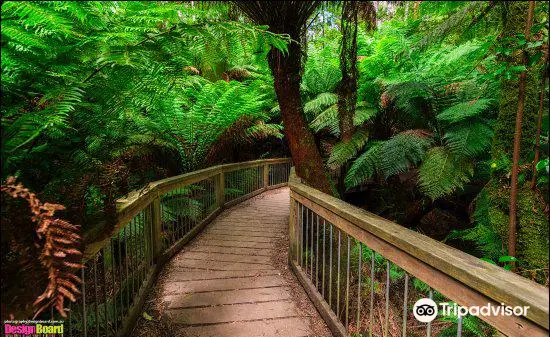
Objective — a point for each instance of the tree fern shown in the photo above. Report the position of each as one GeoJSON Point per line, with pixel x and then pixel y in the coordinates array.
{"type": "Point", "coordinates": [442, 173]}
{"type": "Point", "coordinates": [464, 110]}
{"type": "Point", "coordinates": [344, 151]}
{"type": "Point", "coordinates": [365, 166]}
{"type": "Point", "coordinates": [403, 151]}
{"type": "Point", "coordinates": [468, 139]}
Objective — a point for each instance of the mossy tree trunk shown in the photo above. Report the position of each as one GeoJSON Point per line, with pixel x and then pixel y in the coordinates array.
{"type": "Point", "coordinates": [532, 222]}
{"type": "Point", "coordinates": [290, 18]}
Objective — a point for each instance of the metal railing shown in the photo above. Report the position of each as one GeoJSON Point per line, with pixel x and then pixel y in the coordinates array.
{"type": "Point", "coordinates": [152, 225]}
{"type": "Point", "coordinates": [364, 274]}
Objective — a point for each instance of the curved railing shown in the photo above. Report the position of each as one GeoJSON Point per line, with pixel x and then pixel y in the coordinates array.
{"type": "Point", "coordinates": [152, 225]}
{"type": "Point", "coordinates": [354, 264]}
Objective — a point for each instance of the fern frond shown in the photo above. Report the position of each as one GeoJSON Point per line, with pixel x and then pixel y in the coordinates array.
{"type": "Point", "coordinates": [465, 110]}
{"type": "Point", "coordinates": [319, 103]}
{"type": "Point", "coordinates": [403, 151]}
{"type": "Point", "coordinates": [327, 119]}
{"type": "Point", "coordinates": [364, 167]}
{"type": "Point", "coordinates": [344, 151]}
{"type": "Point", "coordinates": [469, 139]}
{"type": "Point", "coordinates": [364, 112]}
{"type": "Point", "coordinates": [442, 173]}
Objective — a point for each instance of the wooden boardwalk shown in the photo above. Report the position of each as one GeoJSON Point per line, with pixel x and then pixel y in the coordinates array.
{"type": "Point", "coordinates": [227, 282]}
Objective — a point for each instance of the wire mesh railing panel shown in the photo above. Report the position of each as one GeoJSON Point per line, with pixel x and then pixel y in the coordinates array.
{"type": "Point", "coordinates": [112, 278]}
{"type": "Point", "coordinates": [241, 182]}
{"type": "Point", "coordinates": [367, 293]}
{"type": "Point", "coordinates": [183, 208]}
{"type": "Point", "coordinates": [278, 173]}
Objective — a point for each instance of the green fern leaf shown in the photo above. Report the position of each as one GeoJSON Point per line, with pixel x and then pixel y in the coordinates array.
{"type": "Point", "coordinates": [469, 139]}
{"type": "Point", "coordinates": [441, 173]}
{"type": "Point", "coordinates": [465, 110]}
{"type": "Point", "coordinates": [344, 151]}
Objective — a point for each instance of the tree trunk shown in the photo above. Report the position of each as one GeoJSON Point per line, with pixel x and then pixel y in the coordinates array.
{"type": "Point", "coordinates": [539, 120]}
{"type": "Point", "coordinates": [290, 17]}
{"type": "Point", "coordinates": [306, 157]}
{"type": "Point", "coordinates": [347, 90]}
{"type": "Point", "coordinates": [517, 143]}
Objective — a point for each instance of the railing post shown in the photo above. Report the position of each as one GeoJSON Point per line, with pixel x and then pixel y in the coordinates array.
{"type": "Point", "coordinates": [156, 233]}
{"type": "Point", "coordinates": [220, 186]}
{"type": "Point", "coordinates": [292, 230]}
{"type": "Point", "coordinates": [266, 176]}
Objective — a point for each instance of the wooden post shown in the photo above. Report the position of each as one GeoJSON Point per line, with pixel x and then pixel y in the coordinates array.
{"type": "Point", "coordinates": [292, 230]}
{"type": "Point", "coordinates": [266, 176]}
{"type": "Point", "coordinates": [156, 232]}
{"type": "Point", "coordinates": [220, 186]}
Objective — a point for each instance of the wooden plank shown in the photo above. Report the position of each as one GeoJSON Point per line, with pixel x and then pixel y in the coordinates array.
{"type": "Point", "coordinates": [239, 238]}
{"type": "Point", "coordinates": [224, 243]}
{"type": "Point", "coordinates": [239, 296]}
{"type": "Point", "coordinates": [186, 274]}
{"type": "Point", "coordinates": [175, 287]}
{"type": "Point", "coordinates": [452, 287]}
{"type": "Point", "coordinates": [232, 313]}
{"type": "Point", "coordinates": [287, 327]}
{"type": "Point", "coordinates": [231, 250]}
{"type": "Point", "coordinates": [200, 264]}
{"type": "Point", "coordinates": [244, 233]}
{"type": "Point", "coordinates": [226, 257]}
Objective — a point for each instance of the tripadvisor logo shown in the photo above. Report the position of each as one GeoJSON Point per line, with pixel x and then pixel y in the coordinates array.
{"type": "Point", "coordinates": [425, 310]}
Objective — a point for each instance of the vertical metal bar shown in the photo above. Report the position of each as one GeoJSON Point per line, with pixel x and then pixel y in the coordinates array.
{"type": "Point", "coordinates": [307, 235]}
{"type": "Point", "coordinates": [338, 275]}
{"type": "Point", "coordinates": [126, 267]}
{"type": "Point", "coordinates": [70, 320]}
{"type": "Point", "coordinates": [96, 309]}
{"type": "Point", "coordinates": [302, 224]}
{"type": "Point", "coordinates": [139, 245]}
{"type": "Point", "coordinates": [324, 260]}
{"type": "Point", "coordinates": [330, 269]}
{"type": "Point", "coordinates": [386, 317]}
{"type": "Point", "coordinates": [113, 266]}
{"type": "Point", "coordinates": [132, 246]}
{"type": "Point", "coordinates": [347, 283]}
{"type": "Point", "coordinates": [405, 307]}
{"type": "Point", "coordinates": [151, 256]}
{"type": "Point", "coordinates": [459, 326]}
{"type": "Point", "coordinates": [84, 313]}
{"type": "Point", "coordinates": [311, 254]}
{"type": "Point", "coordinates": [105, 301]}
{"type": "Point", "coordinates": [359, 276]}
{"type": "Point", "coordinates": [317, 256]}
{"type": "Point", "coordinates": [371, 305]}
{"type": "Point", "coordinates": [179, 217]}
{"type": "Point", "coordinates": [429, 326]}
{"type": "Point", "coordinates": [120, 272]}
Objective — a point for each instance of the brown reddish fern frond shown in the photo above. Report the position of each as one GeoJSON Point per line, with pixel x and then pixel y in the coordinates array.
{"type": "Point", "coordinates": [58, 250]}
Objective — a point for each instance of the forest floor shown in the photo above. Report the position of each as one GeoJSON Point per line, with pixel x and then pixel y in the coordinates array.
{"type": "Point", "coordinates": [234, 280]}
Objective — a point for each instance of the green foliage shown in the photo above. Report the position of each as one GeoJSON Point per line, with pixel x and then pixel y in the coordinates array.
{"type": "Point", "coordinates": [109, 95]}
{"type": "Point", "coordinates": [469, 139]}
{"type": "Point", "coordinates": [344, 151]}
{"type": "Point", "coordinates": [464, 111]}
{"type": "Point", "coordinates": [442, 173]}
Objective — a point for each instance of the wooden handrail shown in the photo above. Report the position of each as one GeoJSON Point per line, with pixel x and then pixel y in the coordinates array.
{"type": "Point", "coordinates": [461, 277]}
{"type": "Point", "coordinates": [134, 202]}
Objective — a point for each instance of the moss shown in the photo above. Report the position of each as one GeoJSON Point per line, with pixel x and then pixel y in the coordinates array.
{"type": "Point", "coordinates": [499, 221]}
{"type": "Point", "coordinates": [532, 242]}
{"type": "Point", "coordinates": [514, 24]}
{"type": "Point", "coordinates": [505, 126]}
